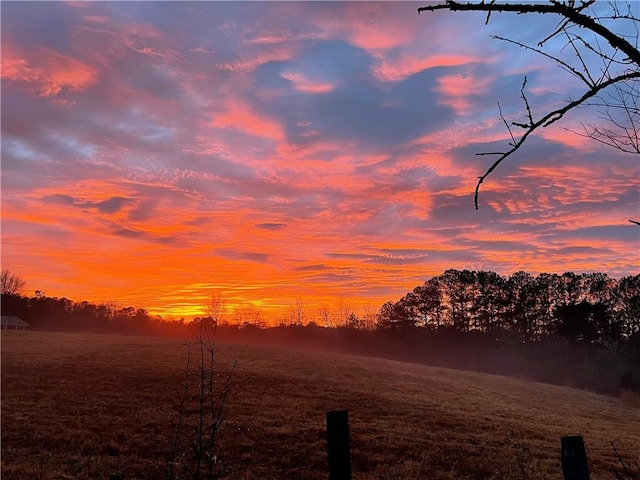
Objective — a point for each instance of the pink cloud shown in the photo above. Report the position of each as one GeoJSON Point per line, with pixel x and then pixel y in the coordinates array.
{"type": "Point", "coordinates": [238, 114]}
{"type": "Point", "coordinates": [459, 91]}
{"type": "Point", "coordinates": [106, 42]}
{"type": "Point", "coordinates": [391, 70]}
{"type": "Point", "coordinates": [305, 85]}
{"type": "Point", "coordinates": [569, 138]}
{"type": "Point", "coordinates": [253, 60]}
{"type": "Point", "coordinates": [99, 19]}
{"type": "Point", "coordinates": [46, 71]}
{"type": "Point", "coordinates": [362, 25]}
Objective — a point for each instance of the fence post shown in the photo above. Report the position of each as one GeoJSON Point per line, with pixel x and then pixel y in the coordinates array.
{"type": "Point", "coordinates": [574, 458]}
{"type": "Point", "coordinates": [338, 445]}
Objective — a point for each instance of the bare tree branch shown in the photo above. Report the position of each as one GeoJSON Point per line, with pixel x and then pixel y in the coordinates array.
{"type": "Point", "coordinates": [564, 65]}
{"type": "Point", "coordinates": [621, 112]}
{"type": "Point", "coordinates": [545, 121]}
{"type": "Point", "coordinates": [11, 283]}
{"type": "Point", "coordinates": [573, 14]}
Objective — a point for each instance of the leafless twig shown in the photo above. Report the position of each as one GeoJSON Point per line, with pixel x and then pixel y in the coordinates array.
{"type": "Point", "coordinates": [621, 112]}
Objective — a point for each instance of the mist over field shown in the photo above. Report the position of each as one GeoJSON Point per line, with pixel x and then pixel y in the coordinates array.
{"type": "Point", "coordinates": [106, 405]}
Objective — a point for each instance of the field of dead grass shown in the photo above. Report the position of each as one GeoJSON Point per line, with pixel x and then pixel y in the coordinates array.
{"type": "Point", "coordinates": [78, 406]}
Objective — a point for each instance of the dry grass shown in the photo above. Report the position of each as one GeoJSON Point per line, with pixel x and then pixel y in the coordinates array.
{"type": "Point", "coordinates": [630, 397]}
{"type": "Point", "coordinates": [80, 406]}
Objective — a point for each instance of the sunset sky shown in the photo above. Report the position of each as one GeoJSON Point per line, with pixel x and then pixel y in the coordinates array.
{"type": "Point", "coordinates": [155, 153]}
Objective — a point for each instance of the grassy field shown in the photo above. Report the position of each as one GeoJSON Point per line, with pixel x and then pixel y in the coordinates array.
{"type": "Point", "coordinates": [78, 406]}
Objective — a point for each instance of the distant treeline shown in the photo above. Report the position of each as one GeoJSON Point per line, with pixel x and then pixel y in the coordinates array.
{"type": "Point", "coordinates": [61, 314]}
{"type": "Point", "coordinates": [591, 308]}
{"type": "Point", "coordinates": [576, 330]}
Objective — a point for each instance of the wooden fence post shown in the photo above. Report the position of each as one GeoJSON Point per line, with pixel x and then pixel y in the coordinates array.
{"type": "Point", "coordinates": [574, 458]}
{"type": "Point", "coordinates": [338, 445]}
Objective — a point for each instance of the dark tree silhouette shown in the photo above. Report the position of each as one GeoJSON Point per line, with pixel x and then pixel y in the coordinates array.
{"type": "Point", "coordinates": [11, 283]}
{"type": "Point", "coordinates": [394, 315]}
{"type": "Point", "coordinates": [425, 302]}
{"type": "Point", "coordinates": [528, 307]}
{"type": "Point", "coordinates": [600, 49]}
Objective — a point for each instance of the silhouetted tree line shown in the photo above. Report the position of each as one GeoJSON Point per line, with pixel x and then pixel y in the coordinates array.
{"type": "Point", "coordinates": [51, 313]}
{"type": "Point", "coordinates": [590, 308]}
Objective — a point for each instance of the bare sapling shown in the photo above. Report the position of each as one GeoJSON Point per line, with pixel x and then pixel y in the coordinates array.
{"type": "Point", "coordinates": [194, 448]}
